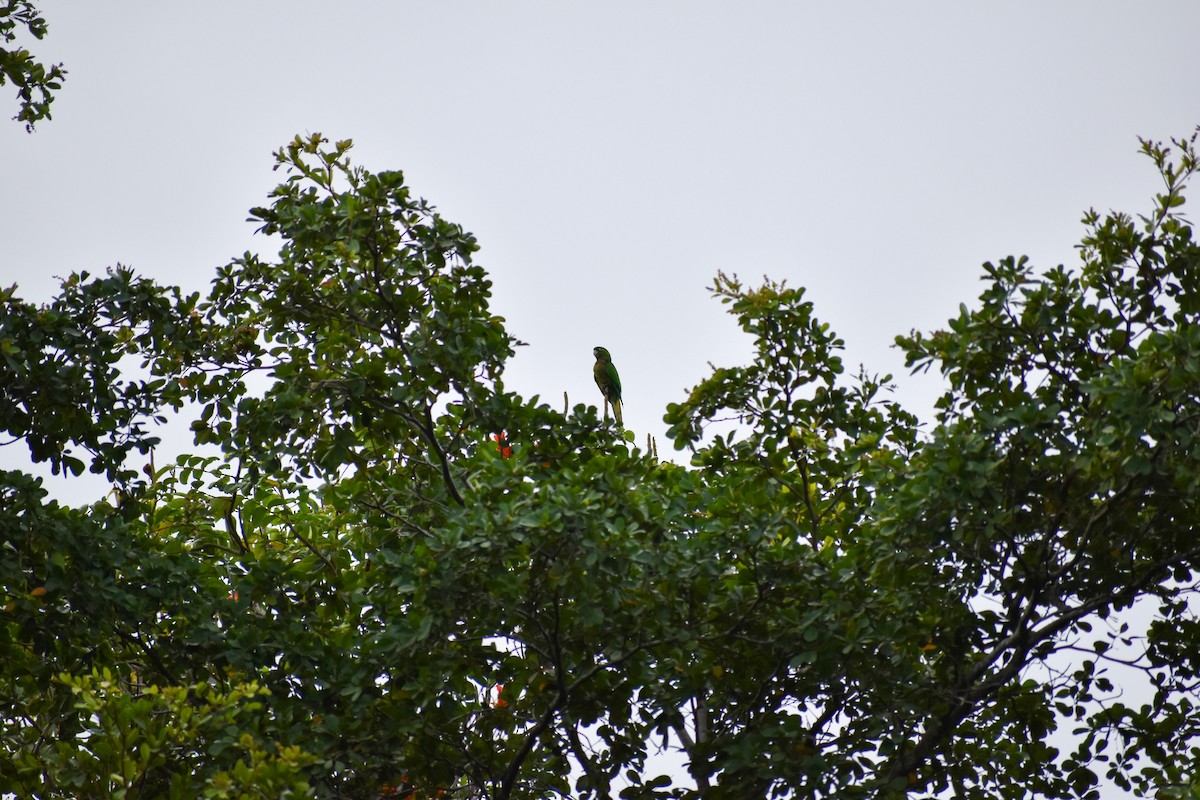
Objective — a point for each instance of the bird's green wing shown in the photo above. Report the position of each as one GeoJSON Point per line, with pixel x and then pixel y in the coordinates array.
{"type": "Point", "coordinates": [614, 380]}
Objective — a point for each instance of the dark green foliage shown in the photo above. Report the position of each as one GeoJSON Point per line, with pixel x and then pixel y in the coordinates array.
{"type": "Point", "coordinates": [65, 383]}
{"type": "Point", "coordinates": [36, 83]}
{"type": "Point", "coordinates": [389, 577]}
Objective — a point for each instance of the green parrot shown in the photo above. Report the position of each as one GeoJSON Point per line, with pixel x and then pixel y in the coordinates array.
{"type": "Point", "coordinates": [608, 380]}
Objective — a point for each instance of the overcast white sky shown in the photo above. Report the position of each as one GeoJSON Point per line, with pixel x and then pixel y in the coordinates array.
{"type": "Point", "coordinates": [612, 156]}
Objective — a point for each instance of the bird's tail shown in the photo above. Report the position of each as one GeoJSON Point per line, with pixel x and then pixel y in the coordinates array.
{"type": "Point", "coordinates": [617, 412]}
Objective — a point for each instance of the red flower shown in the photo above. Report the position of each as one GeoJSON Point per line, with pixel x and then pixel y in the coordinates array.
{"type": "Point", "coordinates": [502, 444]}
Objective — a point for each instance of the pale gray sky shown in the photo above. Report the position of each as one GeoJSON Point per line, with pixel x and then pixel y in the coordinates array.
{"type": "Point", "coordinates": [612, 156]}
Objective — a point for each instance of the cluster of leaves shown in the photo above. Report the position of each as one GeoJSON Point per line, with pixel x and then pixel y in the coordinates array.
{"type": "Point", "coordinates": [387, 576]}
{"type": "Point", "coordinates": [167, 742]}
{"type": "Point", "coordinates": [36, 82]}
{"type": "Point", "coordinates": [68, 374]}
{"type": "Point", "coordinates": [1062, 486]}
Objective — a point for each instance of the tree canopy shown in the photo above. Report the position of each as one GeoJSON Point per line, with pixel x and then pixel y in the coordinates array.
{"type": "Point", "coordinates": [383, 574]}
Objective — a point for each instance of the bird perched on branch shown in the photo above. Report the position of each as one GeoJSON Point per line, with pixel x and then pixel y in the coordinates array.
{"type": "Point", "coordinates": [608, 380]}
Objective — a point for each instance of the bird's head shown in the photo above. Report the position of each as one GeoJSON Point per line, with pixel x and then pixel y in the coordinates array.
{"type": "Point", "coordinates": [601, 353]}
